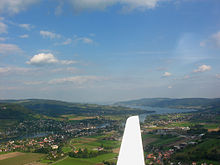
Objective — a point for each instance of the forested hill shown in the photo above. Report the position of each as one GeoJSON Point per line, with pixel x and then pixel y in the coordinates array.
{"type": "Point", "coordinates": [189, 103]}
{"type": "Point", "coordinates": [56, 108]}
{"type": "Point", "coordinates": [15, 111]}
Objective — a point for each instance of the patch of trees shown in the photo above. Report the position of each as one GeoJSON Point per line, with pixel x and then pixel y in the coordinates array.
{"type": "Point", "coordinates": [109, 163]}
{"type": "Point", "coordinates": [86, 154]}
{"type": "Point", "coordinates": [197, 129]}
{"type": "Point", "coordinates": [42, 150]}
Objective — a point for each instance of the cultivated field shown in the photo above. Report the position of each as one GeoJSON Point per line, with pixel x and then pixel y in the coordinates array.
{"type": "Point", "coordinates": [17, 158]}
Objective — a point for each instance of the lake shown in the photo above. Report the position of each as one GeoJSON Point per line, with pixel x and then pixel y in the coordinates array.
{"type": "Point", "coordinates": [159, 111]}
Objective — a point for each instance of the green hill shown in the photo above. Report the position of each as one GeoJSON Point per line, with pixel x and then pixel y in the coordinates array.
{"type": "Point", "coordinates": [15, 111]}
{"type": "Point", "coordinates": [56, 108]}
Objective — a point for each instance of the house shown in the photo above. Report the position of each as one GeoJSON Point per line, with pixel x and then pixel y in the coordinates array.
{"type": "Point", "coordinates": [54, 147]}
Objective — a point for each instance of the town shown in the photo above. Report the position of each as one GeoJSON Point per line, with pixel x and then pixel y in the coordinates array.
{"type": "Point", "coordinates": [167, 138]}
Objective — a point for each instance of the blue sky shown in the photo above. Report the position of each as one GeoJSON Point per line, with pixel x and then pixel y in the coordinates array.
{"type": "Point", "coordinates": [109, 50]}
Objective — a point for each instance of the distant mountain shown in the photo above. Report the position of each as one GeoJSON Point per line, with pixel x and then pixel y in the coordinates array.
{"type": "Point", "coordinates": [188, 103]}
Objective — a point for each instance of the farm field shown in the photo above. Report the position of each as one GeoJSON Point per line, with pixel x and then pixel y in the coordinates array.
{"type": "Point", "coordinates": [21, 158]}
{"type": "Point", "coordinates": [157, 140]}
{"type": "Point", "coordinates": [76, 117]}
{"type": "Point", "coordinates": [92, 143]}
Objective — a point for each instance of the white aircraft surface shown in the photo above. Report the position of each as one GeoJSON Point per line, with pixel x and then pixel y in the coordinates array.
{"type": "Point", "coordinates": [131, 151]}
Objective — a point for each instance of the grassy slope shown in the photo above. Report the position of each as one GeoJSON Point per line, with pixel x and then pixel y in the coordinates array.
{"type": "Point", "coordinates": [200, 152]}
{"type": "Point", "coordinates": [87, 161]}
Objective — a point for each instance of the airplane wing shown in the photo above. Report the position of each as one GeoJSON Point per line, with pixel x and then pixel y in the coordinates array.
{"type": "Point", "coordinates": [131, 151]}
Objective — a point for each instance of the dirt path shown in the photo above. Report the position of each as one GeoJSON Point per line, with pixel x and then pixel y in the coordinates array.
{"type": "Point", "coordinates": [35, 163]}
{"type": "Point", "coordinates": [10, 155]}
{"type": "Point", "coordinates": [116, 150]}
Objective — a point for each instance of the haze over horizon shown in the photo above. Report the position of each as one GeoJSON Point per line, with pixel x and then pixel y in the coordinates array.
{"type": "Point", "coordinates": [106, 51]}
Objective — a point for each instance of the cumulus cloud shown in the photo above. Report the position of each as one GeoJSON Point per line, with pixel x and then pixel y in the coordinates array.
{"type": "Point", "coordinates": [203, 68]}
{"type": "Point", "coordinates": [6, 49]}
{"type": "Point", "coordinates": [80, 5]}
{"type": "Point", "coordinates": [15, 6]}
{"type": "Point", "coordinates": [47, 59]}
{"type": "Point", "coordinates": [48, 34]}
{"type": "Point", "coordinates": [24, 36]}
{"type": "Point", "coordinates": [76, 80]}
{"type": "Point", "coordinates": [3, 28]}
{"type": "Point", "coordinates": [167, 74]}
{"type": "Point", "coordinates": [42, 59]}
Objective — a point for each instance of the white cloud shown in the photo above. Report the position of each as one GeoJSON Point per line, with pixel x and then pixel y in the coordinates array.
{"type": "Point", "coordinates": [2, 38]}
{"type": "Point", "coordinates": [202, 43]}
{"type": "Point", "coordinates": [67, 42]}
{"type": "Point", "coordinates": [167, 74]}
{"type": "Point", "coordinates": [3, 28]}
{"type": "Point", "coordinates": [48, 34]}
{"type": "Point", "coordinates": [24, 36]}
{"type": "Point", "coordinates": [216, 38]}
{"type": "Point", "coordinates": [15, 6]}
{"type": "Point", "coordinates": [84, 40]}
{"type": "Point", "coordinates": [76, 80]}
{"type": "Point", "coordinates": [42, 59]}
{"type": "Point", "coordinates": [63, 70]}
{"type": "Point", "coordinates": [13, 70]}
{"type": "Point", "coordinates": [87, 40]}
{"type": "Point", "coordinates": [203, 68]}
{"type": "Point", "coordinates": [33, 82]}
{"type": "Point", "coordinates": [128, 5]}
{"type": "Point", "coordinates": [67, 62]}
{"type": "Point", "coordinates": [59, 8]}
{"type": "Point", "coordinates": [186, 77]}
{"type": "Point", "coordinates": [6, 49]}
{"type": "Point", "coordinates": [218, 76]}
{"type": "Point", "coordinates": [26, 26]}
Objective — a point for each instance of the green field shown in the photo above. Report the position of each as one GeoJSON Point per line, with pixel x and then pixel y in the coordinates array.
{"type": "Point", "coordinates": [22, 159]}
{"type": "Point", "coordinates": [211, 126]}
{"type": "Point", "coordinates": [161, 140]}
{"type": "Point", "coordinates": [181, 124]}
{"type": "Point", "coordinates": [87, 161]}
{"type": "Point", "coordinates": [165, 141]}
{"type": "Point", "coordinates": [92, 143]}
